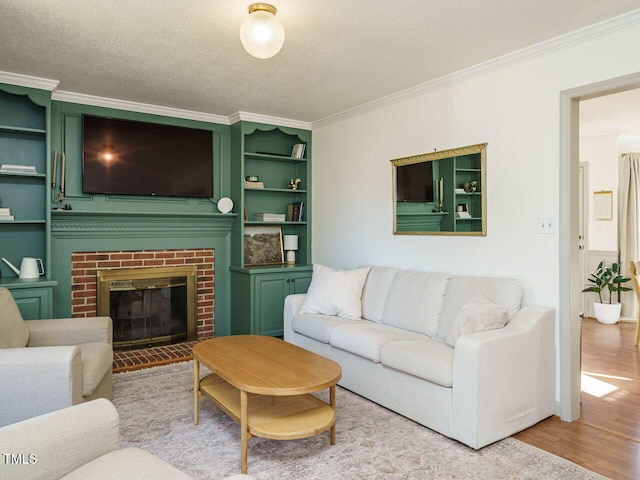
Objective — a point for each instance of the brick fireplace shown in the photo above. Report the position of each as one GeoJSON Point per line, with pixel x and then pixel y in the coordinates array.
{"type": "Point", "coordinates": [84, 266]}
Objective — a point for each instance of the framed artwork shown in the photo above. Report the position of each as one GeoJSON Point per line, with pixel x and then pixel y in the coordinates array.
{"type": "Point", "coordinates": [602, 205]}
{"type": "Point", "coordinates": [263, 245]}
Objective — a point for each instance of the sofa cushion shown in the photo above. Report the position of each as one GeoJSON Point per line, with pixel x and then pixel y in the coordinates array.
{"type": "Point", "coordinates": [97, 358]}
{"type": "Point", "coordinates": [127, 463]}
{"type": "Point", "coordinates": [316, 326]}
{"type": "Point", "coordinates": [500, 290]}
{"type": "Point", "coordinates": [14, 332]}
{"type": "Point", "coordinates": [415, 301]}
{"type": "Point", "coordinates": [335, 292]}
{"type": "Point", "coordinates": [376, 289]}
{"type": "Point", "coordinates": [365, 338]}
{"type": "Point", "coordinates": [477, 315]}
{"type": "Point", "coordinates": [427, 358]}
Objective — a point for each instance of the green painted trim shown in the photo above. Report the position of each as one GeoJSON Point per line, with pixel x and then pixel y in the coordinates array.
{"type": "Point", "coordinates": [17, 283]}
{"type": "Point", "coordinates": [67, 137]}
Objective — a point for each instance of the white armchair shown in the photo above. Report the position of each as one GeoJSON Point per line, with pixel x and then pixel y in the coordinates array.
{"type": "Point", "coordinates": [47, 365]}
{"type": "Point", "coordinates": [78, 442]}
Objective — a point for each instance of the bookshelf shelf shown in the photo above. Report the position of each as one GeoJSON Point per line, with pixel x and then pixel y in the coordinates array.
{"type": "Point", "coordinates": [277, 190]}
{"type": "Point", "coordinates": [22, 130]}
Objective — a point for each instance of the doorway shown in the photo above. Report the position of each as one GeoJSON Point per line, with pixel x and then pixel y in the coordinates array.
{"type": "Point", "coordinates": [571, 280]}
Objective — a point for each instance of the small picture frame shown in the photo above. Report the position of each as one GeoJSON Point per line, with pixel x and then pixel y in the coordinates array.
{"type": "Point", "coordinates": [602, 205]}
{"type": "Point", "coordinates": [263, 245]}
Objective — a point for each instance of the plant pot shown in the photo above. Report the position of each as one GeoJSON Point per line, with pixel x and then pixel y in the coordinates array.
{"type": "Point", "coordinates": [607, 313]}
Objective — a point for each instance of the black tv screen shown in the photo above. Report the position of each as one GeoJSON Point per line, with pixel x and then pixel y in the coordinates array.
{"type": "Point", "coordinates": [139, 158]}
{"type": "Point", "coordinates": [415, 182]}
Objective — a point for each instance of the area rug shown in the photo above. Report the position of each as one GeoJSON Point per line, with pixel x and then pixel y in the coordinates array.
{"type": "Point", "coordinates": [156, 414]}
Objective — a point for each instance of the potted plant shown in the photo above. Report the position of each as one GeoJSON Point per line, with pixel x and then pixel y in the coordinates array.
{"type": "Point", "coordinates": [607, 279]}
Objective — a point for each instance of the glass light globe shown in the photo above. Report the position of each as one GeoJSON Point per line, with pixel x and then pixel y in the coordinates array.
{"type": "Point", "coordinates": [261, 34]}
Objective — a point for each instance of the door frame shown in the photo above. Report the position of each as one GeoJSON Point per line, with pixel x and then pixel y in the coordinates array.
{"type": "Point", "coordinates": [584, 213]}
{"type": "Point", "coordinates": [569, 271]}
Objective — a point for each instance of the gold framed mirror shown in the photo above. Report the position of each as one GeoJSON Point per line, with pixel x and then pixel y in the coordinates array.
{"type": "Point", "coordinates": [441, 193]}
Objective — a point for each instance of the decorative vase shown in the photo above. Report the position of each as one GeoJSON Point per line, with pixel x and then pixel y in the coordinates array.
{"type": "Point", "coordinates": [607, 313]}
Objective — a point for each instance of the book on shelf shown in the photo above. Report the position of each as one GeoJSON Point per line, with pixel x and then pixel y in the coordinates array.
{"type": "Point", "coordinates": [249, 184]}
{"type": "Point", "coordinates": [5, 215]}
{"type": "Point", "coordinates": [463, 215]}
{"type": "Point", "coordinates": [298, 150]}
{"type": "Point", "coordinates": [270, 217]}
{"type": "Point", "coordinates": [295, 212]}
{"type": "Point", "coordinates": [18, 168]}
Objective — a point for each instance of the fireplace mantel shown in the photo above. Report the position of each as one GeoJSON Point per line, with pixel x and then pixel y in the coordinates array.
{"type": "Point", "coordinates": [75, 231]}
{"type": "Point", "coordinates": [114, 224]}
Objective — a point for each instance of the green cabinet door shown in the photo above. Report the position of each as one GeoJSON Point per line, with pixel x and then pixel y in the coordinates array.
{"type": "Point", "coordinates": [34, 303]}
{"type": "Point", "coordinates": [269, 291]}
{"type": "Point", "coordinates": [299, 282]}
{"type": "Point", "coordinates": [258, 297]}
{"type": "Point", "coordinates": [269, 294]}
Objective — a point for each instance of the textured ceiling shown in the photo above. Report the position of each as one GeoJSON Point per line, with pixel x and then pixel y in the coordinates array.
{"type": "Point", "coordinates": [337, 54]}
{"type": "Point", "coordinates": [616, 114]}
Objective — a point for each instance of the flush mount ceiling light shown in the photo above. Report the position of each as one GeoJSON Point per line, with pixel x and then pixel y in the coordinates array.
{"type": "Point", "coordinates": [261, 34]}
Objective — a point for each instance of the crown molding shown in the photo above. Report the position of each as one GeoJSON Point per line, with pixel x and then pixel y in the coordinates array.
{"type": "Point", "coordinates": [256, 117]}
{"type": "Point", "coordinates": [71, 97]}
{"type": "Point", "coordinates": [28, 81]}
{"type": "Point", "coordinates": [568, 40]}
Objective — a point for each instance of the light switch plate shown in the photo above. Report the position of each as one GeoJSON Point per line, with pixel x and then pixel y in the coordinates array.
{"type": "Point", "coordinates": [546, 225]}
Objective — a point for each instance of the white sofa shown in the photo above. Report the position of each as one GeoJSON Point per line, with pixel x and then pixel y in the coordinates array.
{"type": "Point", "coordinates": [493, 384]}
{"type": "Point", "coordinates": [79, 442]}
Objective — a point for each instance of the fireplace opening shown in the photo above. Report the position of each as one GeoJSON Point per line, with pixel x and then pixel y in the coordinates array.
{"type": "Point", "coordinates": [149, 306]}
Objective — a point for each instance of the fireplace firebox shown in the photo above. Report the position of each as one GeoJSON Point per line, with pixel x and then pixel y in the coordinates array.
{"type": "Point", "coordinates": [149, 306]}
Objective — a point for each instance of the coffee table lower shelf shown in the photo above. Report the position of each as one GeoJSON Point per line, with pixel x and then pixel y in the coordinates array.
{"type": "Point", "coordinates": [274, 417]}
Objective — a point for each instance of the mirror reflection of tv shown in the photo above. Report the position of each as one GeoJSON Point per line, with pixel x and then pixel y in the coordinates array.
{"type": "Point", "coordinates": [414, 182]}
{"type": "Point", "coordinates": [128, 157]}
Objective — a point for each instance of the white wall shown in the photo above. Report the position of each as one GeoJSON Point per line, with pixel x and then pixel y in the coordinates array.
{"type": "Point", "coordinates": [516, 110]}
{"type": "Point", "coordinates": [602, 155]}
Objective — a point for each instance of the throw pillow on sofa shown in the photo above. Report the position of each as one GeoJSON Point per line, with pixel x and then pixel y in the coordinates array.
{"type": "Point", "coordinates": [478, 314]}
{"type": "Point", "coordinates": [335, 292]}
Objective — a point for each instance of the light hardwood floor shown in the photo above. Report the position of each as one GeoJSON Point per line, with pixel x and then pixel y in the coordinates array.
{"type": "Point", "coordinates": [606, 439]}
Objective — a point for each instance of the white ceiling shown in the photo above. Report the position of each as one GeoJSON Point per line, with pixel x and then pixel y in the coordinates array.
{"type": "Point", "coordinates": [337, 55]}
{"type": "Point", "coordinates": [616, 114]}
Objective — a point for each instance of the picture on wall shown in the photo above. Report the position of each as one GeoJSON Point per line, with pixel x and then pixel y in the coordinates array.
{"type": "Point", "coordinates": [263, 245]}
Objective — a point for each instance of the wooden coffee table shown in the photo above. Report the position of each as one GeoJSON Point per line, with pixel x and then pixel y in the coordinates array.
{"type": "Point", "coordinates": [263, 383]}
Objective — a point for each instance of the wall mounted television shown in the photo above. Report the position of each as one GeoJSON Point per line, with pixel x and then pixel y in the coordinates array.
{"type": "Point", "coordinates": [415, 182]}
{"type": "Point", "coordinates": [129, 157]}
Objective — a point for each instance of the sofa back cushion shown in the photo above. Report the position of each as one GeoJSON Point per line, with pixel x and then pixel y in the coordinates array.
{"type": "Point", "coordinates": [375, 292]}
{"type": "Point", "coordinates": [414, 301]}
{"type": "Point", "coordinates": [460, 289]}
{"type": "Point", "coordinates": [14, 332]}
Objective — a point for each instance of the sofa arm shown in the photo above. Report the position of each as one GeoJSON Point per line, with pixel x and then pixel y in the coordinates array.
{"type": "Point", "coordinates": [69, 331]}
{"type": "Point", "coordinates": [292, 305]}
{"type": "Point", "coordinates": [38, 380]}
{"type": "Point", "coordinates": [504, 380]}
{"type": "Point", "coordinates": [52, 445]}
